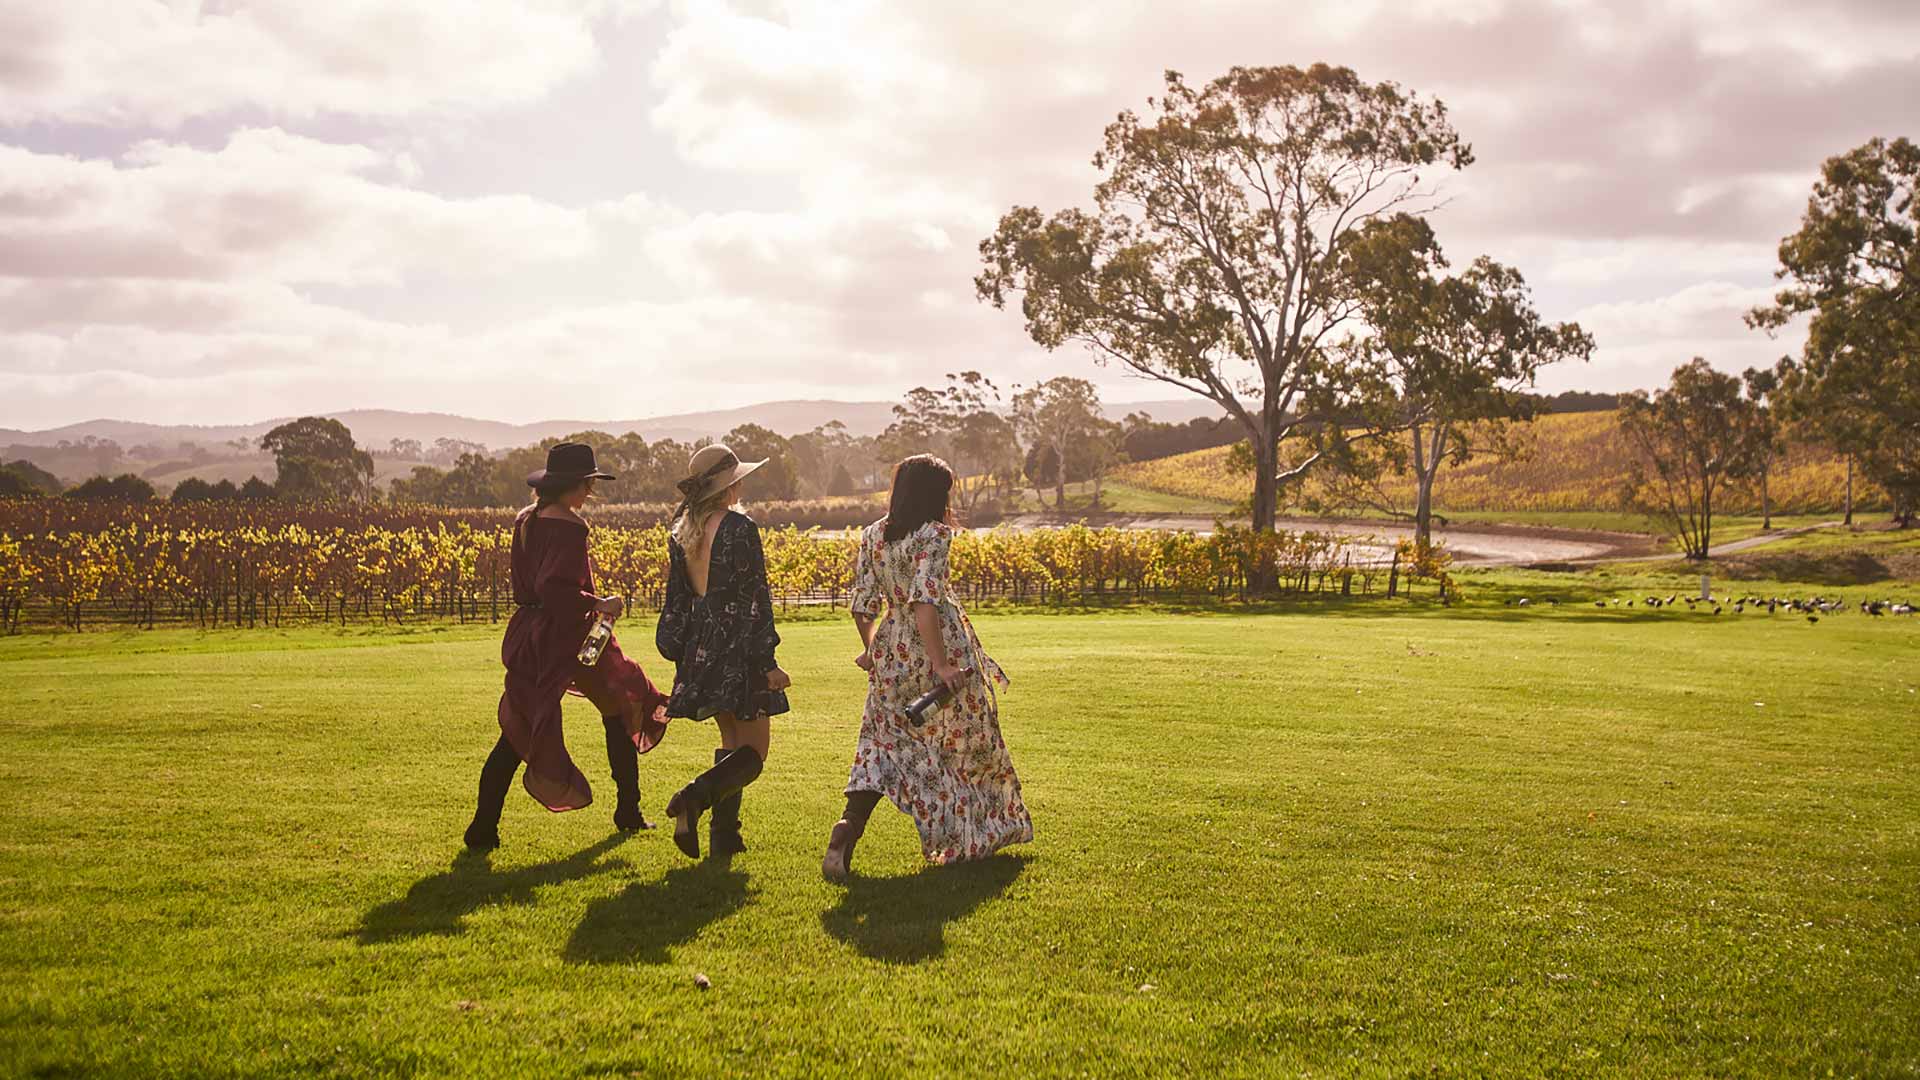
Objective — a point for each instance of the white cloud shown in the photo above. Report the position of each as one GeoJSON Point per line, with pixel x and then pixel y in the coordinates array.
{"type": "Point", "coordinates": [268, 205]}
{"type": "Point", "coordinates": [1710, 311]}
{"type": "Point", "coordinates": [160, 62]}
{"type": "Point", "coordinates": [827, 168]}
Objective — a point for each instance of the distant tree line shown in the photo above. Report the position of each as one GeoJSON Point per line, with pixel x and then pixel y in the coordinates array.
{"type": "Point", "coordinates": [1044, 437]}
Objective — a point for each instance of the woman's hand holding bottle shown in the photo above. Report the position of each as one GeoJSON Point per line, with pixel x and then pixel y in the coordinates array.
{"type": "Point", "coordinates": [611, 606]}
{"type": "Point", "coordinates": [949, 676]}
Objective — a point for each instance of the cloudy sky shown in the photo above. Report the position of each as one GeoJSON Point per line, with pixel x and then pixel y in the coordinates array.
{"type": "Point", "coordinates": [224, 210]}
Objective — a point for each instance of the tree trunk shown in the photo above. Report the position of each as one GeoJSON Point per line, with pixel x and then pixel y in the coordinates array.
{"type": "Point", "coordinates": [1060, 475]}
{"type": "Point", "coordinates": [1266, 466]}
{"type": "Point", "coordinates": [1423, 510]}
{"type": "Point", "coordinates": [1766, 504]}
{"type": "Point", "coordinates": [1262, 578]}
{"type": "Point", "coordinates": [1706, 520]}
{"type": "Point", "coordinates": [1849, 520]}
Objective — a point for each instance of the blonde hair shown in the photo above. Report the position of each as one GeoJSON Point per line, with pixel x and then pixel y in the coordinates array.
{"type": "Point", "coordinates": [690, 528]}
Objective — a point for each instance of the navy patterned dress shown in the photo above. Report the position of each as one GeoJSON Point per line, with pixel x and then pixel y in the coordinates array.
{"type": "Point", "coordinates": [722, 644]}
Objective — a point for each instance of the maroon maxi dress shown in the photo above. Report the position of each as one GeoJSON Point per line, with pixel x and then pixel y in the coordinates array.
{"type": "Point", "coordinates": [553, 586]}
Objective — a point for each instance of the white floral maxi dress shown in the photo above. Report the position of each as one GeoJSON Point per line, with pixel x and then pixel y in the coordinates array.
{"type": "Point", "coordinates": [951, 773]}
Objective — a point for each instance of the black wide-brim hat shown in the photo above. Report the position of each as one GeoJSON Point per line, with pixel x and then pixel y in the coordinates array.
{"type": "Point", "coordinates": [568, 463]}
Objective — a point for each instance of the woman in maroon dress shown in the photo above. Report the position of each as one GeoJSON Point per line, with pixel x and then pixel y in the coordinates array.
{"type": "Point", "coordinates": [553, 586]}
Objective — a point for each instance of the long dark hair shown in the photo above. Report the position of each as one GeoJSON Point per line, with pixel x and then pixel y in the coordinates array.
{"type": "Point", "coordinates": [921, 486]}
{"type": "Point", "coordinates": [546, 495]}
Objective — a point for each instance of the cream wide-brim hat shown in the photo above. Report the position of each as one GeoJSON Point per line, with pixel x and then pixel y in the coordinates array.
{"type": "Point", "coordinates": [714, 469]}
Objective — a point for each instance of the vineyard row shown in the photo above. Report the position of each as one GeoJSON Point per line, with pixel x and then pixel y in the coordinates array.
{"type": "Point", "coordinates": [151, 566]}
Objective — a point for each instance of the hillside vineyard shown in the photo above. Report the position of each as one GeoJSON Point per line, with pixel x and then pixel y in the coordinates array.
{"type": "Point", "coordinates": [1570, 462]}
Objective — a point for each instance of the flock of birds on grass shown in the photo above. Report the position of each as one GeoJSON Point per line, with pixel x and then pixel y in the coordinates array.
{"type": "Point", "coordinates": [1811, 607]}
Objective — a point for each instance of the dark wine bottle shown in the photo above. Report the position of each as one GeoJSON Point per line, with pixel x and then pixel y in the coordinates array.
{"type": "Point", "coordinates": [917, 709]}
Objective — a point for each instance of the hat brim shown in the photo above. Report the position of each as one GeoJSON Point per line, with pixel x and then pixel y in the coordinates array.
{"type": "Point", "coordinates": [731, 477]}
{"type": "Point", "coordinates": [539, 477]}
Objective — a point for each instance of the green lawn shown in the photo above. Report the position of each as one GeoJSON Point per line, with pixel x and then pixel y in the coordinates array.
{"type": "Point", "coordinates": [1726, 527]}
{"type": "Point", "coordinates": [1883, 561]}
{"type": "Point", "coordinates": [1125, 499]}
{"type": "Point", "coordinates": [1359, 838]}
{"type": "Point", "coordinates": [1604, 520]}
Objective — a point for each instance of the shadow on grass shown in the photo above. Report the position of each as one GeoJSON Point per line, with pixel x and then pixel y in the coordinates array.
{"type": "Point", "coordinates": [646, 919]}
{"type": "Point", "coordinates": [1836, 568]}
{"type": "Point", "coordinates": [439, 904]}
{"type": "Point", "coordinates": [903, 920]}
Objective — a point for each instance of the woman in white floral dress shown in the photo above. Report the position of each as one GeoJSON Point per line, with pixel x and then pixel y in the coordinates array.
{"type": "Point", "coordinates": [950, 772]}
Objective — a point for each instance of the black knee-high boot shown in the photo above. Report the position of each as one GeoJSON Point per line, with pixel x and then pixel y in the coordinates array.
{"type": "Point", "coordinates": [624, 762]}
{"type": "Point", "coordinates": [723, 829]}
{"type": "Point", "coordinates": [496, 779]}
{"type": "Point", "coordinates": [846, 833]}
{"type": "Point", "coordinates": [735, 770]}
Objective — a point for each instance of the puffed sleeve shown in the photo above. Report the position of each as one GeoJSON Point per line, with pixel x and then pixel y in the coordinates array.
{"type": "Point", "coordinates": [866, 580]}
{"type": "Point", "coordinates": [750, 577]}
{"type": "Point", "coordinates": [930, 549]}
{"type": "Point", "coordinates": [563, 573]}
{"type": "Point", "coordinates": [670, 633]}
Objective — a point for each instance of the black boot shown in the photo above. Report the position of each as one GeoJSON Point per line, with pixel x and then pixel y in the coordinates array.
{"type": "Point", "coordinates": [723, 829]}
{"type": "Point", "coordinates": [838, 863]}
{"type": "Point", "coordinates": [735, 770]}
{"type": "Point", "coordinates": [496, 779]}
{"type": "Point", "coordinates": [624, 762]}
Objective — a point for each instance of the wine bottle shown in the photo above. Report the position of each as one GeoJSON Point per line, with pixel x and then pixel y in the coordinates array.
{"type": "Point", "coordinates": [917, 708]}
{"type": "Point", "coordinates": [597, 638]}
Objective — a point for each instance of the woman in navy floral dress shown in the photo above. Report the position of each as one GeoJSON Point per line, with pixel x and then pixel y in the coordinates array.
{"type": "Point", "coordinates": [717, 628]}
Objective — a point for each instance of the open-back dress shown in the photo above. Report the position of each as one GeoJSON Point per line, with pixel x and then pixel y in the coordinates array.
{"type": "Point", "coordinates": [722, 643]}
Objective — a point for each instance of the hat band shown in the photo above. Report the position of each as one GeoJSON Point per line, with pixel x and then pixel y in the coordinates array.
{"type": "Point", "coordinates": [692, 485]}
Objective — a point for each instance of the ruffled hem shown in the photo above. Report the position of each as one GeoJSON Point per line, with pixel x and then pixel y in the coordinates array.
{"type": "Point", "coordinates": [550, 776]}
{"type": "Point", "coordinates": [646, 707]}
{"type": "Point", "coordinates": [686, 706]}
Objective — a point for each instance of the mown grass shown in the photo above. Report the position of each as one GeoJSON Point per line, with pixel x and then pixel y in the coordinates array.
{"type": "Point", "coordinates": [1120, 498]}
{"type": "Point", "coordinates": [1347, 837]}
{"type": "Point", "coordinates": [1878, 560]}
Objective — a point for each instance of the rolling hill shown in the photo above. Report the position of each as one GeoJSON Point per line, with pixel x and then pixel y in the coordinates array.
{"type": "Point", "coordinates": [1575, 462]}
{"type": "Point", "coordinates": [377, 427]}
{"type": "Point", "coordinates": [168, 453]}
